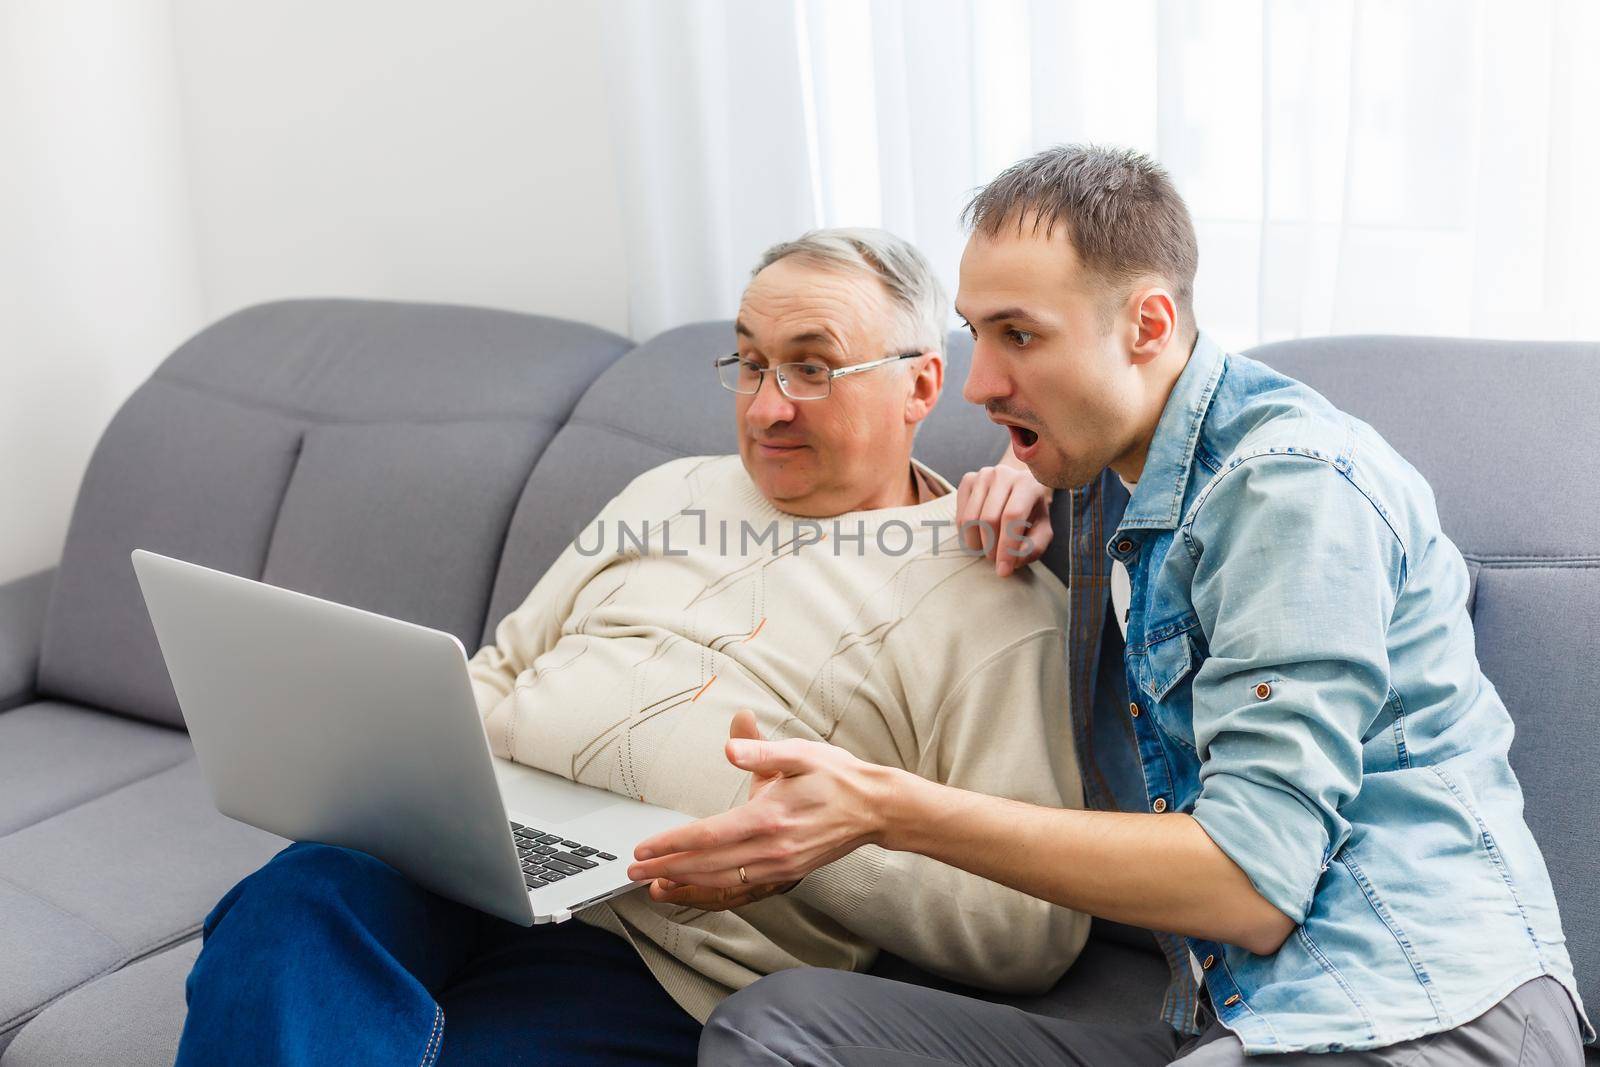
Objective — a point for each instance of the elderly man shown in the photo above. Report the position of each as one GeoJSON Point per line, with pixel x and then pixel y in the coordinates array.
{"type": "Point", "coordinates": [813, 586]}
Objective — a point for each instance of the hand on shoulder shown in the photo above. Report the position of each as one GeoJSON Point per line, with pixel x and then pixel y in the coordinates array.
{"type": "Point", "coordinates": [1004, 512]}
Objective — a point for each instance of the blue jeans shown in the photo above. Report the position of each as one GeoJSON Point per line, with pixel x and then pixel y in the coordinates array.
{"type": "Point", "coordinates": [329, 955]}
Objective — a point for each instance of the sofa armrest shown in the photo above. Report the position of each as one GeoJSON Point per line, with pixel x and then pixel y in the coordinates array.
{"type": "Point", "coordinates": [22, 607]}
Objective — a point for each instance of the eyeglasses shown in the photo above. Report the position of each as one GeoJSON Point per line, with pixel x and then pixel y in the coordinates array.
{"type": "Point", "coordinates": [797, 381]}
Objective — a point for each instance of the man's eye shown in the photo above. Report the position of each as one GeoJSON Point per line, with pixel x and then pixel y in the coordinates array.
{"type": "Point", "coordinates": [1020, 338]}
{"type": "Point", "coordinates": [811, 372]}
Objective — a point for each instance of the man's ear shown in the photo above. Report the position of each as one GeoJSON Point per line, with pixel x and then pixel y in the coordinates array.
{"type": "Point", "coordinates": [927, 379]}
{"type": "Point", "coordinates": [1155, 323]}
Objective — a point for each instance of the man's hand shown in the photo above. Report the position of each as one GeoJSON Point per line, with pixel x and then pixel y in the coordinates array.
{"type": "Point", "coordinates": [666, 891]}
{"type": "Point", "coordinates": [810, 803]}
{"type": "Point", "coordinates": [1009, 513]}
{"type": "Point", "coordinates": [813, 802]}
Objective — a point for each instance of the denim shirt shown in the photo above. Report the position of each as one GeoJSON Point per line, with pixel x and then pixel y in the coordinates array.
{"type": "Point", "coordinates": [1302, 680]}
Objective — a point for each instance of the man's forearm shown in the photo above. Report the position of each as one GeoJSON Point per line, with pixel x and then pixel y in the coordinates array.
{"type": "Point", "coordinates": [1162, 872]}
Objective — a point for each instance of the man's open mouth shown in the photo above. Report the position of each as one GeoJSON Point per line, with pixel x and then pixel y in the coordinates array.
{"type": "Point", "coordinates": [1024, 436]}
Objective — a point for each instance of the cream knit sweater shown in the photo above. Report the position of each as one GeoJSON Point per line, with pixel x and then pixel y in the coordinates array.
{"type": "Point", "coordinates": [691, 596]}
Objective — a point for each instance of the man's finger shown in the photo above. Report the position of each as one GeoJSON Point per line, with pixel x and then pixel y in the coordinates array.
{"type": "Point", "coordinates": [969, 511]}
{"type": "Point", "coordinates": [669, 892]}
{"type": "Point", "coordinates": [717, 869]}
{"type": "Point", "coordinates": [772, 757]}
{"type": "Point", "coordinates": [994, 506]}
{"type": "Point", "coordinates": [710, 899]}
{"type": "Point", "coordinates": [1015, 535]}
{"type": "Point", "coordinates": [744, 725]}
{"type": "Point", "coordinates": [717, 831]}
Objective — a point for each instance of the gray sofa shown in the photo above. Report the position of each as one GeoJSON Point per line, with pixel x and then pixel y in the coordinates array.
{"type": "Point", "coordinates": [428, 462]}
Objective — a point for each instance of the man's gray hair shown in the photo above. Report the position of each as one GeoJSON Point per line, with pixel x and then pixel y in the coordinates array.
{"type": "Point", "coordinates": [905, 273]}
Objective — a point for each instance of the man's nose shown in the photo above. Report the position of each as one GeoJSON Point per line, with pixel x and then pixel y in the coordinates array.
{"type": "Point", "coordinates": [769, 406]}
{"type": "Point", "coordinates": [984, 381]}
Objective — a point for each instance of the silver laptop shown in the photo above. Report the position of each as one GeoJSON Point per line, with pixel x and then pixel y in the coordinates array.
{"type": "Point", "coordinates": [322, 722]}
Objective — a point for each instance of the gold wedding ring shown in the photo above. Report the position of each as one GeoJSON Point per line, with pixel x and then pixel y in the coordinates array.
{"type": "Point", "coordinates": [743, 877]}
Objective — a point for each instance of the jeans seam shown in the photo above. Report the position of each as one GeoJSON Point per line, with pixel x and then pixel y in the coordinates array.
{"type": "Point", "coordinates": [1244, 1002]}
{"type": "Point", "coordinates": [1493, 851]}
{"type": "Point", "coordinates": [430, 1053]}
{"type": "Point", "coordinates": [1333, 972]}
{"type": "Point", "coordinates": [1402, 755]}
{"type": "Point", "coordinates": [1402, 939]}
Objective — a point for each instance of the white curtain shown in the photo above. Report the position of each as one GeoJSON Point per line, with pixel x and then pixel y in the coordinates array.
{"type": "Point", "coordinates": [1352, 167]}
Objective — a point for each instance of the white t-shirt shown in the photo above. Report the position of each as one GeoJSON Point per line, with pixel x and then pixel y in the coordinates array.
{"type": "Point", "coordinates": [1121, 594]}
{"type": "Point", "coordinates": [1121, 587]}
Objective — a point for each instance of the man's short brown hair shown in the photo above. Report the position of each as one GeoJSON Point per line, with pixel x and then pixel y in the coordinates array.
{"type": "Point", "coordinates": [1122, 213]}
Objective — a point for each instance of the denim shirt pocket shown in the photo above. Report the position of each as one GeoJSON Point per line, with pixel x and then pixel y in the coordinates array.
{"type": "Point", "coordinates": [1165, 666]}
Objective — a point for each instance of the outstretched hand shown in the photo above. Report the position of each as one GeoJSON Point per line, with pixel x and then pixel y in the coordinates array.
{"type": "Point", "coordinates": [810, 803]}
{"type": "Point", "coordinates": [666, 891]}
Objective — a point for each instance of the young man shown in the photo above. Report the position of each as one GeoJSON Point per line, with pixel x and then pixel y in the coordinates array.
{"type": "Point", "coordinates": [805, 578]}
{"type": "Point", "coordinates": [1317, 800]}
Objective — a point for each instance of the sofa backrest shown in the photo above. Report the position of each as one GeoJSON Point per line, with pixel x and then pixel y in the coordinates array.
{"type": "Point", "coordinates": [366, 452]}
{"type": "Point", "coordinates": [1507, 434]}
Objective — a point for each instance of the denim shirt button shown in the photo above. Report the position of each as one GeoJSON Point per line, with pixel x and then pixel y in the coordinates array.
{"type": "Point", "coordinates": [1231, 1001]}
{"type": "Point", "coordinates": [1263, 691]}
{"type": "Point", "coordinates": [1159, 806]}
{"type": "Point", "coordinates": [1124, 546]}
{"type": "Point", "coordinates": [1205, 964]}
{"type": "Point", "coordinates": [1133, 709]}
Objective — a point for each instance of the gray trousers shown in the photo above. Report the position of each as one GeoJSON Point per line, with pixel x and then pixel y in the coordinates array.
{"type": "Point", "coordinates": [812, 1017]}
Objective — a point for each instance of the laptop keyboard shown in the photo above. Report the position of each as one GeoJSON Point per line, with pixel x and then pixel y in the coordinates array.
{"type": "Point", "coordinates": [548, 858]}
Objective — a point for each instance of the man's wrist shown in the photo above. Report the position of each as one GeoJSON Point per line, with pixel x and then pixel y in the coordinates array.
{"type": "Point", "coordinates": [895, 813]}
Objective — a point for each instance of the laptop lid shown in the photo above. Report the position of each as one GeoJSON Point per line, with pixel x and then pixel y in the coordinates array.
{"type": "Point", "coordinates": [322, 722]}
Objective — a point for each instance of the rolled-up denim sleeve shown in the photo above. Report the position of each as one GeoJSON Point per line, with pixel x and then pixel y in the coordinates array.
{"type": "Point", "coordinates": [1296, 577]}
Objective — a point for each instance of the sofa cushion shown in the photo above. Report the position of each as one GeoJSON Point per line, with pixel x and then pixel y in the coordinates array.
{"type": "Point", "coordinates": [54, 756]}
{"type": "Point", "coordinates": [47, 952]}
{"type": "Point", "coordinates": [662, 401]}
{"type": "Point", "coordinates": [405, 520]}
{"type": "Point", "coordinates": [179, 473]}
{"type": "Point", "coordinates": [132, 1018]}
{"type": "Point", "coordinates": [111, 880]}
{"type": "Point", "coordinates": [345, 427]}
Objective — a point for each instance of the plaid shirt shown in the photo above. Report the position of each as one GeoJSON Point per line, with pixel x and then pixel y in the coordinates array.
{"type": "Point", "coordinates": [1112, 778]}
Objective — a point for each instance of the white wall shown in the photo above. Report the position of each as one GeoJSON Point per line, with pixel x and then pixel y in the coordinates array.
{"type": "Point", "coordinates": [97, 277]}
{"type": "Point", "coordinates": [416, 150]}
{"type": "Point", "coordinates": [166, 162]}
